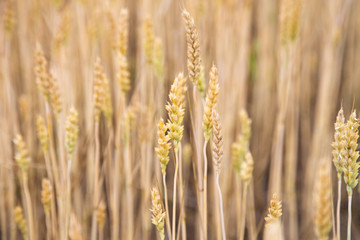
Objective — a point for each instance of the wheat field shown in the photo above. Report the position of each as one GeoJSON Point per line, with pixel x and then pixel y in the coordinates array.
{"type": "Point", "coordinates": [189, 119]}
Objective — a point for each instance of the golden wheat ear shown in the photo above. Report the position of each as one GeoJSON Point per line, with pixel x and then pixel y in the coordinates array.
{"type": "Point", "coordinates": [158, 218]}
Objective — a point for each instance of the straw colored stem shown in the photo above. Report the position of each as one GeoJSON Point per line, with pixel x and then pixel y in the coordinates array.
{"type": "Point", "coordinates": [174, 195]}
{"type": "Point", "coordinates": [205, 189]}
{"type": "Point", "coordinates": [349, 218]}
{"type": "Point", "coordinates": [221, 207]}
{"type": "Point", "coordinates": [243, 211]}
{"type": "Point", "coordinates": [182, 205]}
{"type": "Point", "coordinates": [129, 192]}
{"type": "Point", "coordinates": [28, 206]}
{"type": "Point", "coordinates": [338, 209]}
{"type": "Point", "coordinates": [96, 181]}
{"type": "Point", "coordinates": [168, 226]}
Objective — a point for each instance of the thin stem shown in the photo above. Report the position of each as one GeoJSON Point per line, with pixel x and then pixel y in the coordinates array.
{"type": "Point", "coordinates": [28, 206]}
{"type": "Point", "coordinates": [68, 198]}
{"type": "Point", "coordinates": [129, 192]}
{"type": "Point", "coordinates": [174, 195]}
{"type": "Point", "coordinates": [48, 226]}
{"type": "Point", "coordinates": [349, 217]}
{"type": "Point", "coordinates": [96, 181]}
{"type": "Point", "coordinates": [338, 209]}
{"type": "Point", "coordinates": [168, 227]}
{"type": "Point", "coordinates": [243, 211]}
{"type": "Point", "coordinates": [182, 205]}
{"type": "Point", "coordinates": [221, 207]}
{"type": "Point", "coordinates": [205, 188]}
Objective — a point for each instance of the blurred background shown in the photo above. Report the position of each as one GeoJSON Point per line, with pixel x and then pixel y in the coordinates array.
{"type": "Point", "coordinates": [290, 64]}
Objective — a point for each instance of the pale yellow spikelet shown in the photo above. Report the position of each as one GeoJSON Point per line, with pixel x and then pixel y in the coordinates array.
{"type": "Point", "coordinates": [21, 222]}
{"type": "Point", "coordinates": [351, 166]}
{"type": "Point", "coordinates": [42, 134]}
{"type": "Point", "coordinates": [247, 168]}
{"type": "Point", "coordinates": [22, 154]}
{"type": "Point", "coordinates": [322, 201]}
{"type": "Point", "coordinates": [275, 210]}
{"type": "Point", "coordinates": [218, 151]}
{"type": "Point", "coordinates": [123, 31]}
{"type": "Point", "coordinates": [42, 77]}
{"type": "Point", "coordinates": [62, 31]}
{"type": "Point", "coordinates": [176, 109]}
{"type": "Point", "coordinates": [158, 218]}
{"type": "Point", "coordinates": [74, 228]}
{"type": "Point", "coordinates": [149, 40]}
{"type": "Point", "coordinates": [99, 90]}
{"type": "Point", "coordinates": [162, 150]}
{"type": "Point", "coordinates": [159, 59]}
{"type": "Point", "coordinates": [289, 20]}
{"type": "Point", "coordinates": [123, 75]}
{"type": "Point", "coordinates": [339, 142]}
{"type": "Point", "coordinates": [210, 102]}
{"type": "Point", "coordinates": [101, 214]}
{"type": "Point", "coordinates": [241, 146]}
{"type": "Point", "coordinates": [193, 53]}
{"type": "Point", "coordinates": [9, 17]}
{"type": "Point", "coordinates": [55, 96]}
{"type": "Point", "coordinates": [71, 131]}
{"type": "Point", "coordinates": [107, 107]}
{"type": "Point", "coordinates": [46, 194]}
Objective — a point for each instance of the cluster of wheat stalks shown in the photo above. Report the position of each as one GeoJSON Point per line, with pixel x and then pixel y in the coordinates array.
{"type": "Point", "coordinates": [131, 119]}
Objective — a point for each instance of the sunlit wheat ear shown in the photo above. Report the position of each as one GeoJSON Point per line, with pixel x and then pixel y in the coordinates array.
{"type": "Point", "coordinates": [193, 53]}
{"type": "Point", "coordinates": [210, 102]}
{"type": "Point", "coordinates": [41, 74]}
{"type": "Point", "coordinates": [217, 142]}
{"type": "Point", "coordinates": [9, 17]}
{"type": "Point", "coordinates": [322, 201]}
{"type": "Point", "coordinates": [351, 166]}
{"type": "Point", "coordinates": [42, 134]}
{"type": "Point", "coordinates": [123, 75]}
{"type": "Point", "coordinates": [339, 142]}
{"type": "Point", "coordinates": [289, 20]}
{"type": "Point", "coordinates": [55, 96]}
{"type": "Point", "coordinates": [21, 222]}
{"type": "Point", "coordinates": [247, 168]}
{"type": "Point", "coordinates": [176, 109]}
{"type": "Point", "coordinates": [274, 210]}
{"type": "Point", "coordinates": [101, 214]}
{"type": "Point", "coordinates": [46, 194]}
{"type": "Point", "coordinates": [149, 40]}
{"type": "Point", "coordinates": [99, 90]}
{"type": "Point", "coordinates": [71, 131]}
{"type": "Point", "coordinates": [62, 31]}
{"type": "Point", "coordinates": [241, 146]}
{"type": "Point", "coordinates": [158, 218]}
{"type": "Point", "coordinates": [22, 154]}
{"type": "Point", "coordinates": [162, 150]}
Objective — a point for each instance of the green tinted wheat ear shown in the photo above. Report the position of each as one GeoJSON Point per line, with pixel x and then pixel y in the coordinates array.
{"type": "Point", "coordinates": [350, 165]}
{"type": "Point", "coordinates": [193, 53]}
{"type": "Point", "coordinates": [55, 96]}
{"type": "Point", "coordinates": [9, 17]}
{"type": "Point", "coordinates": [339, 153]}
{"type": "Point", "coordinates": [149, 40]}
{"type": "Point", "coordinates": [323, 202]}
{"type": "Point", "coordinates": [71, 131]}
{"type": "Point", "coordinates": [247, 168]}
{"type": "Point", "coordinates": [158, 218]}
{"type": "Point", "coordinates": [289, 20]}
{"type": "Point", "coordinates": [22, 154]}
{"type": "Point", "coordinates": [176, 109]}
{"type": "Point", "coordinates": [42, 134]}
{"type": "Point", "coordinates": [210, 102]}
{"type": "Point", "coordinates": [42, 77]}
{"type": "Point", "coordinates": [21, 222]}
{"type": "Point", "coordinates": [46, 195]}
{"type": "Point", "coordinates": [159, 59]}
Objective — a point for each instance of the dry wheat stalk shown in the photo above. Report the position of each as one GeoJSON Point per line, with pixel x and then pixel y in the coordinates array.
{"type": "Point", "coordinates": [323, 202]}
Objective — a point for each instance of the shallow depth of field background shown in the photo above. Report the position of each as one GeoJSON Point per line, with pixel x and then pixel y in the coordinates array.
{"type": "Point", "coordinates": [292, 116]}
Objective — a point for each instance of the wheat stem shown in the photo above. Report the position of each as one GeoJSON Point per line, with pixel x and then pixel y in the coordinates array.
{"type": "Point", "coordinates": [349, 217]}
{"type": "Point", "coordinates": [96, 181]}
{"type": "Point", "coordinates": [243, 211]}
{"type": "Point", "coordinates": [338, 210]}
{"type": "Point", "coordinates": [221, 207]}
{"type": "Point", "coordinates": [168, 226]}
{"type": "Point", "coordinates": [28, 206]}
{"type": "Point", "coordinates": [174, 195]}
{"type": "Point", "coordinates": [205, 188]}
